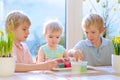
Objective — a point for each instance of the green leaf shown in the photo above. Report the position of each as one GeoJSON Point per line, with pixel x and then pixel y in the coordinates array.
{"type": "Point", "coordinates": [97, 1]}
{"type": "Point", "coordinates": [6, 42]}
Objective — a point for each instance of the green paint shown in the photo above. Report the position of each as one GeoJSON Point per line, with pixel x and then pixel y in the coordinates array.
{"type": "Point", "coordinates": [83, 68]}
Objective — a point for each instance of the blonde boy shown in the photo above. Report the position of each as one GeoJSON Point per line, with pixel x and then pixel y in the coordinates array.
{"type": "Point", "coordinates": [95, 49]}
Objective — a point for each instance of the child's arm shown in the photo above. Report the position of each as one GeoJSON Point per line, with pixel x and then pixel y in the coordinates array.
{"type": "Point", "coordinates": [41, 55]}
{"type": "Point", "coordinates": [48, 65]}
{"type": "Point", "coordinates": [22, 67]}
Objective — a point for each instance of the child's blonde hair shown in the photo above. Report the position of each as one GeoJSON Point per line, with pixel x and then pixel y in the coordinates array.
{"type": "Point", "coordinates": [18, 18]}
{"type": "Point", "coordinates": [52, 25]}
{"type": "Point", "coordinates": [93, 20]}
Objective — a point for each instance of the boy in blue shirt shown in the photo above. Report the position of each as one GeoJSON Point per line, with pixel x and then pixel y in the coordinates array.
{"type": "Point", "coordinates": [95, 49]}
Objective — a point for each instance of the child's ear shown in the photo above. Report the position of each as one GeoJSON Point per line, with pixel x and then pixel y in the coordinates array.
{"type": "Point", "coordinates": [10, 28]}
{"type": "Point", "coordinates": [102, 29]}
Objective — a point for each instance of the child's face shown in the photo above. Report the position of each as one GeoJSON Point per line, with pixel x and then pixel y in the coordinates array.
{"type": "Point", "coordinates": [93, 34]}
{"type": "Point", "coordinates": [53, 38]}
{"type": "Point", "coordinates": [21, 32]}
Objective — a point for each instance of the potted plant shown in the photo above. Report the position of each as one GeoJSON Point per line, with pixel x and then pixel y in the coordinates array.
{"type": "Point", "coordinates": [116, 55]}
{"type": "Point", "coordinates": [7, 62]}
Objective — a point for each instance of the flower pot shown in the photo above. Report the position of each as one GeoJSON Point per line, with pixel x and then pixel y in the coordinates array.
{"type": "Point", "coordinates": [116, 63]}
{"type": "Point", "coordinates": [7, 66]}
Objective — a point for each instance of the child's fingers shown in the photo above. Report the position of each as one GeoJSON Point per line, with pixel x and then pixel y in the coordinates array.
{"type": "Point", "coordinates": [80, 55]}
{"type": "Point", "coordinates": [66, 59]}
{"type": "Point", "coordinates": [59, 60]}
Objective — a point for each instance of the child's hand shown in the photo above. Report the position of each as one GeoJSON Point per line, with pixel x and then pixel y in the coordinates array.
{"type": "Point", "coordinates": [50, 64]}
{"type": "Point", "coordinates": [62, 60]}
{"type": "Point", "coordinates": [76, 54]}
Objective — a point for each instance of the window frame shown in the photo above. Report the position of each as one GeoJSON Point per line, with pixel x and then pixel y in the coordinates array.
{"type": "Point", "coordinates": [73, 22]}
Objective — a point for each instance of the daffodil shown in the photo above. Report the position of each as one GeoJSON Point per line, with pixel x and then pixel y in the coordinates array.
{"type": "Point", "coordinates": [116, 42]}
{"type": "Point", "coordinates": [6, 43]}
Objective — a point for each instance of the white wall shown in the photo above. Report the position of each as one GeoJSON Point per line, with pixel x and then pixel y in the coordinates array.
{"type": "Point", "coordinates": [74, 18]}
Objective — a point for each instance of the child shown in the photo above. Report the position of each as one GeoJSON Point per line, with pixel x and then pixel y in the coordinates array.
{"type": "Point", "coordinates": [95, 49]}
{"type": "Point", "coordinates": [24, 60]}
{"type": "Point", "coordinates": [51, 50]}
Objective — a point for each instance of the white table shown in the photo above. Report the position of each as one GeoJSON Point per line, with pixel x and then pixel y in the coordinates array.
{"type": "Point", "coordinates": [103, 73]}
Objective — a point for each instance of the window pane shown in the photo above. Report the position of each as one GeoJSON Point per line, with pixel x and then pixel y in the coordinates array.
{"type": "Point", "coordinates": [39, 11]}
{"type": "Point", "coordinates": [109, 10]}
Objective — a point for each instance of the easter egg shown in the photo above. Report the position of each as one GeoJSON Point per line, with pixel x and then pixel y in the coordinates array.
{"type": "Point", "coordinates": [61, 65]}
{"type": "Point", "coordinates": [67, 64]}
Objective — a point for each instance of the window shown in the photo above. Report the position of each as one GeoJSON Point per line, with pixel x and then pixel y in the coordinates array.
{"type": "Point", "coordinates": [39, 11]}
{"type": "Point", "coordinates": [109, 10]}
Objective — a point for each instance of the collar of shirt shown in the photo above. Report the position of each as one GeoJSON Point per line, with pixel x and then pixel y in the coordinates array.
{"type": "Point", "coordinates": [19, 46]}
{"type": "Point", "coordinates": [104, 42]}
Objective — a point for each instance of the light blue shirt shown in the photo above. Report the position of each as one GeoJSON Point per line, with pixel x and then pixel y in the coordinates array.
{"type": "Point", "coordinates": [96, 56]}
{"type": "Point", "coordinates": [58, 53]}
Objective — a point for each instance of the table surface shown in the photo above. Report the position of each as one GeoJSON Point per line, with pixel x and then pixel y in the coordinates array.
{"type": "Point", "coordinates": [101, 73]}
